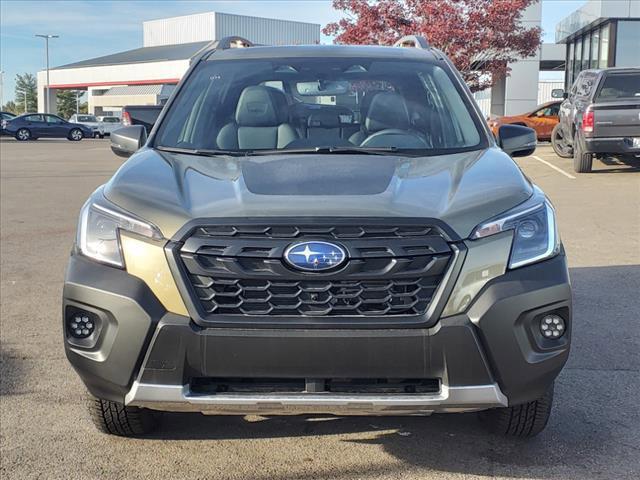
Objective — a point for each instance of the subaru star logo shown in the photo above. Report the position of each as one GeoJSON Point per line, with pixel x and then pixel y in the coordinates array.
{"type": "Point", "coordinates": [315, 256]}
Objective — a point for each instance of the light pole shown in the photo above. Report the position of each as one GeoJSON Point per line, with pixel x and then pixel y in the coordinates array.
{"type": "Point", "coordinates": [46, 41]}
{"type": "Point", "coordinates": [23, 92]}
{"type": "Point", "coordinates": [1, 88]}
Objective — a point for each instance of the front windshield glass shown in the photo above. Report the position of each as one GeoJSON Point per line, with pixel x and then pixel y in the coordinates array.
{"type": "Point", "coordinates": [312, 103]}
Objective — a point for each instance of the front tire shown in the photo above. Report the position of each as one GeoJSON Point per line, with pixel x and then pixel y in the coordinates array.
{"type": "Point", "coordinates": [559, 143]}
{"type": "Point", "coordinates": [118, 419]}
{"type": "Point", "coordinates": [23, 135]}
{"type": "Point", "coordinates": [524, 421]}
{"type": "Point", "coordinates": [582, 162]}
{"type": "Point", "coordinates": [76, 135]}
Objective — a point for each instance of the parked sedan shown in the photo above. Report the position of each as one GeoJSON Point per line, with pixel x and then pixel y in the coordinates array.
{"type": "Point", "coordinates": [31, 126]}
{"type": "Point", "coordinates": [4, 118]}
{"type": "Point", "coordinates": [542, 120]}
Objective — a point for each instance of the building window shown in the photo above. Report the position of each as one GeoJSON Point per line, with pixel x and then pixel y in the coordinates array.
{"type": "Point", "coordinates": [595, 39]}
{"type": "Point", "coordinates": [604, 46]}
{"type": "Point", "coordinates": [586, 43]}
{"type": "Point", "coordinates": [578, 59]}
{"type": "Point", "coordinates": [627, 41]}
{"type": "Point", "coordinates": [570, 65]}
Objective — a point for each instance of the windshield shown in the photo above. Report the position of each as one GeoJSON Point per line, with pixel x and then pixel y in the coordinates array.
{"type": "Point", "coordinates": [111, 120]}
{"type": "Point", "coordinates": [318, 103]}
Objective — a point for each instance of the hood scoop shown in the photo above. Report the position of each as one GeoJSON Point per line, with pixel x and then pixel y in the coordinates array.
{"type": "Point", "coordinates": [319, 175]}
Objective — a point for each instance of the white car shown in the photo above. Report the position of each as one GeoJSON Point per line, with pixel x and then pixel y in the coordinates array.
{"type": "Point", "coordinates": [90, 121]}
{"type": "Point", "coordinates": [109, 124]}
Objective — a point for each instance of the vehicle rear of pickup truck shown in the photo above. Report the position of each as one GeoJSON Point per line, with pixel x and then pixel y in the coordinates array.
{"type": "Point", "coordinates": [608, 124]}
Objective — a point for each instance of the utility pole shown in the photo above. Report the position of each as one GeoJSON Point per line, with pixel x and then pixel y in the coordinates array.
{"type": "Point", "coordinates": [1, 88]}
{"type": "Point", "coordinates": [46, 41]}
{"type": "Point", "coordinates": [77, 101]}
{"type": "Point", "coordinates": [24, 93]}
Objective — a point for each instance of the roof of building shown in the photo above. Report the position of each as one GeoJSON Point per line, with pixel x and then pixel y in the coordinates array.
{"type": "Point", "coordinates": [159, 89]}
{"type": "Point", "coordinates": [161, 53]}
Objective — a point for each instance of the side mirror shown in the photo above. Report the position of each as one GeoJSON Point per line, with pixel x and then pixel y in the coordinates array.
{"type": "Point", "coordinates": [557, 93]}
{"type": "Point", "coordinates": [126, 141]}
{"type": "Point", "coordinates": [517, 140]}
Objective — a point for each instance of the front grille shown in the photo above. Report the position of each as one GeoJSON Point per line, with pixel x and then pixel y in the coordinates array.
{"type": "Point", "coordinates": [239, 270]}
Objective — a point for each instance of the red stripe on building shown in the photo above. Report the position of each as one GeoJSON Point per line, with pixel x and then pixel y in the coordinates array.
{"type": "Point", "coordinates": [115, 82]}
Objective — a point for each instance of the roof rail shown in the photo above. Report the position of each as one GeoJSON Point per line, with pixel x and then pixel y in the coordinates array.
{"type": "Point", "coordinates": [226, 43]}
{"type": "Point", "coordinates": [413, 41]}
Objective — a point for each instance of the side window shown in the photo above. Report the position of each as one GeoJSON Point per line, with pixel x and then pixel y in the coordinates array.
{"type": "Point", "coordinates": [554, 110]}
{"type": "Point", "coordinates": [586, 85]}
{"type": "Point", "coordinates": [53, 119]}
{"type": "Point", "coordinates": [543, 112]}
{"type": "Point", "coordinates": [35, 118]}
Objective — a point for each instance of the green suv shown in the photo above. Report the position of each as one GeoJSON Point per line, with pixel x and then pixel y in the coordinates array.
{"type": "Point", "coordinates": [319, 229]}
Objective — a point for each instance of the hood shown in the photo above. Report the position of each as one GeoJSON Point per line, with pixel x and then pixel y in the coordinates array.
{"type": "Point", "coordinates": [461, 189]}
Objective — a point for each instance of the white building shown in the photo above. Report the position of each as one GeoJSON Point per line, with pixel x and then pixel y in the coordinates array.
{"type": "Point", "coordinates": [142, 76]}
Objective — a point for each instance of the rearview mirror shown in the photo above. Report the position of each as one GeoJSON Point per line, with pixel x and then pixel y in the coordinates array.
{"type": "Point", "coordinates": [517, 140]}
{"type": "Point", "coordinates": [126, 141]}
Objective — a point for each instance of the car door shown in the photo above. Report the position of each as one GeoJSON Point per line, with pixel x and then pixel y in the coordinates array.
{"type": "Point", "coordinates": [56, 126]}
{"type": "Point", "coordinates": [36, 125]}
{"type": "Point", "coordinates": [544, 119]}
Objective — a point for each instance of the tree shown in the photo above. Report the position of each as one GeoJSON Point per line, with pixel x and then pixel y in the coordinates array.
{"type": "Point", "coordinates": [26, 84]}
{"type": "Point", "coordinates": [479, 36]}
{"type": "Point", "coordinates": [66, 102]}
{"type": "Point", "coordinates": [11, 107]}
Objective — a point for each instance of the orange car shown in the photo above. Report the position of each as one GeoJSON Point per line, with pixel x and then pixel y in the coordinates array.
{"type": "Point", "coordinates": [542, 120]}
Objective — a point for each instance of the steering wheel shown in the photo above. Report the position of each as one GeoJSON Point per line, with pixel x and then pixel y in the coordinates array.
{"type": "Point", "coordinates": [392, 137]}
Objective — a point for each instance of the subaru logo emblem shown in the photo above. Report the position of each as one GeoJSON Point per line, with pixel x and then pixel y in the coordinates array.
{"type": "Point", "coordinates": [315, 256]}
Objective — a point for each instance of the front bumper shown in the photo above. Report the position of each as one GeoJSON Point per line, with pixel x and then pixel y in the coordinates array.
{"type": "Point", "coordinates": [491, 355]}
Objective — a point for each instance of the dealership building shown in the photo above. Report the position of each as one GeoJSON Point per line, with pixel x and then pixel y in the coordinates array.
{"type": "Point", "coordinates": [601, 33]}
{"type": "Point", "coordinates": [147, 75]}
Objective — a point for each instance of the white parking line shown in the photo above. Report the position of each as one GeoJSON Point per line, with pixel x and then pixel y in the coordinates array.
{"type": "Point", "coordinates": [568, 175]}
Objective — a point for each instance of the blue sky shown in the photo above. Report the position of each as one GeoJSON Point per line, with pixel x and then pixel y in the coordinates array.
{"type": "Point", "coordinates": [92, 28]}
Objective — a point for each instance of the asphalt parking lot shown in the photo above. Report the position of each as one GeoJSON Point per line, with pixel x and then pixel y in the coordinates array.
{"type": "Point", "coordinates": [45, 432]}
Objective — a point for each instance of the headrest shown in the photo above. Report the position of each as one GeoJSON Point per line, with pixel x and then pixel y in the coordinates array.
{"type": "Point", "coordinates": [387, 110]}
{"type": "Point", "coordinates": [323, 120]}
{"type": "Point", "coordinates": [260, 106]}
{"type": "Point", "coordinates": [366, 101]}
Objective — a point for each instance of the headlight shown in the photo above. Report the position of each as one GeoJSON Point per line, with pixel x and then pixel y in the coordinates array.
{"type": "Point", "coordinates": [98, 231]}
{"type": "Point", "coordinates": [535, 234]}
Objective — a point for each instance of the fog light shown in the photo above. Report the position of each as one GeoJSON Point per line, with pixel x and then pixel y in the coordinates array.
{"type": "Point", "coordinates": [552, 326]}
{"type": "Point", "coordinates": [81, 324]}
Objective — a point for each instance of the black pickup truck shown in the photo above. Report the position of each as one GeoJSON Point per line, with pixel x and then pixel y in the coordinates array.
{"type": "Point", "coordinates": [600, 117]}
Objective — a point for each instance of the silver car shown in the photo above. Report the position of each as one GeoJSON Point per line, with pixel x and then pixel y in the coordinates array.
{"type": "Point", "coordinates": [109, 124]}
{"type": "Point", "coordinates": [91, 121]}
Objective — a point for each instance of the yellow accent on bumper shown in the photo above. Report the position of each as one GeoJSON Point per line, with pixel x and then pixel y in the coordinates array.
{"type": "Point", "coordinates": [147, 261]}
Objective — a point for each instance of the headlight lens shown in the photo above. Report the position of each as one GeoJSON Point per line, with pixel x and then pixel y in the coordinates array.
{"type": "Point", "coordinates": [98, 232]}
{"type": "Point", "coordinates": [535, 234]}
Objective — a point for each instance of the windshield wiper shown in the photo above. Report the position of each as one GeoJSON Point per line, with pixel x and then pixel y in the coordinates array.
{"type": "Point", "coordinates": [338, 150]}
{"type": "Point", "coordinates": [204, 152]}
{"type": "Point", "coordinates": [328, 150]}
